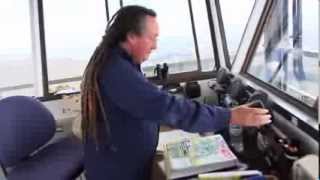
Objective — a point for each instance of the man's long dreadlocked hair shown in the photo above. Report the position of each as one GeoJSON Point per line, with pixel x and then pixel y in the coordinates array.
{"type": "Point", "coordinates": [129, 19]}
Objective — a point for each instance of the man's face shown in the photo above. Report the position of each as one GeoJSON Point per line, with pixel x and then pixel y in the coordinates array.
{"type": "Point", "coordinates": [143, 44]}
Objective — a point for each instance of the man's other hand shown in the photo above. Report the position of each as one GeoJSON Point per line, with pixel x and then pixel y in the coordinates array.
{"type": "Point", "coordinates": [247, 116]}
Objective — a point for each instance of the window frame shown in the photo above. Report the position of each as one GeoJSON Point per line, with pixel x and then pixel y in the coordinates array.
{"type": "Point", "coordinates": [37, 15]}
{"type": "Point", "coordinates": [224, 44]}
{"type": "Point", "coordinates": [198, 71]}
{"type": "Point", "coordinates": [302, 111]}
{"type": "Point", "coordinates": [229, 62]}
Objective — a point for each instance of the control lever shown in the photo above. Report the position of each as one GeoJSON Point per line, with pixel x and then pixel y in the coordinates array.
{"type": "Point", "coordinates": [256, 104]}
{"type": "Point", "coordinates": [267, 128]}
{"type": "Point", "coordinates": [259, 104]}
{"type": "Point", "coordinates": [279, 150]}
{"type": "Point", "coordinates": [291, 146]}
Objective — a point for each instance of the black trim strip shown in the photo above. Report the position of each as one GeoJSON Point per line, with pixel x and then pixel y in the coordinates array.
{"type": "Point", "coordinates": [223, 36]}
{"type": "Point", "coordinates": [107, 10]}
{"type": "Point", "coordinates": [310, 131]}
{"type": "Point", "coordinates": [179, 77]}
{"type": "Point", "coordinates": [173, 78]}
{"type": "Point", "coordinates": [301, 124]}
{"type": "Point", "coordinates": [121, 3]}
{"type": "Point", "coordinates": [43, 50]}
{"type": "Point", "coordinates": [195, 40]}
{"type": "Point", "coordinates": [213, 36]}
{"type": "Point", "coordinates": [184, 77]}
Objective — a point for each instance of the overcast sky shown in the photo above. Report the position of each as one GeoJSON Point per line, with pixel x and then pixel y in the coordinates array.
{"type": "Point", "coordinates": [82, 22]}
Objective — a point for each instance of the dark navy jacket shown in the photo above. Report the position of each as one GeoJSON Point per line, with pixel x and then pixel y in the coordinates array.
{"type": "Point", "coordinates": [135, 109]}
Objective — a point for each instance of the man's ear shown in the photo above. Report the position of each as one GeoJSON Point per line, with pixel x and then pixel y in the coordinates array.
{"type": "Point", "coordinates": [131, 38]}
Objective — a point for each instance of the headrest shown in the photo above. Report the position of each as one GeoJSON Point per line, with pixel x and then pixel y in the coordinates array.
{"type": "Point", "coordinates": [25, 125]}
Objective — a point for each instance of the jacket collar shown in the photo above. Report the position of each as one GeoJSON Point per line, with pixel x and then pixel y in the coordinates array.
{"type": "Point", "coordinates": [125, 56]}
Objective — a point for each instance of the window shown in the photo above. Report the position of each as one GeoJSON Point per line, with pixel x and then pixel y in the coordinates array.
{"type": "Point", "coordinates": [287, 55]}
{"type": "Point", "coordinates": [203, 35]}
{"type": "Point", "coordinates": [16, 63]}
{"type": "Point", "coordinates": [113, 6]}
{"type": "Point", "coordinates": [73, 29]}
{"type": "Point", "coordinates": [175, 43]}
{"type": "Point", "coordinates": [235, 15]}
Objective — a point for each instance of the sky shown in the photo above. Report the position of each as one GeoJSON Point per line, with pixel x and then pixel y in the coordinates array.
{"type": "Point", "coordinates": [80, 30]}
{"type": "Point", "coordinates": [73, 28]}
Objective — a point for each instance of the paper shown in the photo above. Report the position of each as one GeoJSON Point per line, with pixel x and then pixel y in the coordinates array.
{"type": "Point", "coordinates": [173, 136]}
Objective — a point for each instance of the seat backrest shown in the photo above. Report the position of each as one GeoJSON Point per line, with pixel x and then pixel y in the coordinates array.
{"type": "Point", "coordinates": [25, 125]}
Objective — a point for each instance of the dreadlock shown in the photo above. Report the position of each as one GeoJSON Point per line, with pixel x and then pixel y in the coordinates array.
{"type": "Point", "coordinates": [129, 19]}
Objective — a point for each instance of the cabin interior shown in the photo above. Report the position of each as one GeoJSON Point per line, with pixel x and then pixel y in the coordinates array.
{"type": "Point", "coordinates": [221, 53]}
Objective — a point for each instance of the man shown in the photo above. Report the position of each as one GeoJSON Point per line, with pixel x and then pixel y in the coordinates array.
{"type": "Point", "coordinates": [122, 111]}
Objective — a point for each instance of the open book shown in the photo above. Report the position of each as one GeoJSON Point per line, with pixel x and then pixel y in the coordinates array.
{"type": "Point", "coordinates": [173, 136]}
{"type": "Point", "coordinates": [197, 155]}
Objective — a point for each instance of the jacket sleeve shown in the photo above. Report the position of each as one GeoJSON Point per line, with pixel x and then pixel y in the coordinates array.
{"type": "Point", "coordinates": [133, 93]}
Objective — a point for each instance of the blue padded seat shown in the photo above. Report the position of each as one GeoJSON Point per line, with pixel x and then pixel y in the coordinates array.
{"type": "Point", "coordinates": [26, 127]}
{"type": "Point", "coordinates": [60, 159]}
